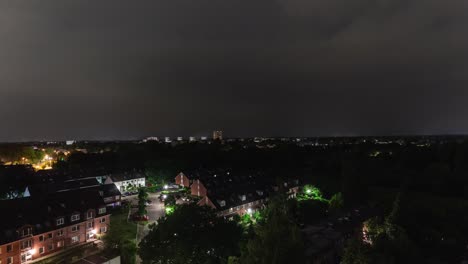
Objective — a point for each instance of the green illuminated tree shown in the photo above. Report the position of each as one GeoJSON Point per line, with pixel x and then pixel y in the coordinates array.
{"type": "Point", "coordinates": [310, 192]}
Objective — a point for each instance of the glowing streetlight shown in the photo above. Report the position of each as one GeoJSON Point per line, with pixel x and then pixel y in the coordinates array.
{"type": "Point", "coordinates": [164, 196]}
{"type": "Point", "coordinates": [94, 231]}
{"type": "Point", "coordinates": [249, 211]}
{"type": "Point", "coordinates": [308, 191]}
{"type": "Point", "coordinates": [165, 187]}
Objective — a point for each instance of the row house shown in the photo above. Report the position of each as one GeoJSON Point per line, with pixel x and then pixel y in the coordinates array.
{"type": "Point", "coordinates": [233, 193]}
{"type": "Point", "coordinates": [109, 192]}
{"type": "Point", "coordinates": [38, 227]}
{"type": "Point", "coordinates": [126, 181]}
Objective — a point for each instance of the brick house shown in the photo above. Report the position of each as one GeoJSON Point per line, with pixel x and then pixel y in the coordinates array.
{"type": "Point", "coordinates": [198, 189]}
{"type": "Point", "coordinates": [45, 225]}
{"type": "Point", "coordinates": [236, 192]}
{"type": "Point", "coordinates": [182, 180]}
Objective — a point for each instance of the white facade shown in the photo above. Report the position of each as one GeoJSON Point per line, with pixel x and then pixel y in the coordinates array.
{"type": "Point", "coordinates": [125, 184]}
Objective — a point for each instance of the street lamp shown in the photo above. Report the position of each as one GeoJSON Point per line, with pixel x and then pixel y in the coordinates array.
{"type": "Point", "coordinates": [308, 191]}
{"type": "Point", "coordinates": [165, 187]}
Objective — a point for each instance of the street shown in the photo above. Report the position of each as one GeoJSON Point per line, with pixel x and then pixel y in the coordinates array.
{"type": "Point", "coordinates": [155, 210]}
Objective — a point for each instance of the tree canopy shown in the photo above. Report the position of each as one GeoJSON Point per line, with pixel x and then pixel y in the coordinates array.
{"type": "Point", "coordinates": [191, 235]}
{"type": "Point", "coordinates": [277, 239]}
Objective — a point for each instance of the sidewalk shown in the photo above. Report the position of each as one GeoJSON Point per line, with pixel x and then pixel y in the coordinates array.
{"type": "Point", "coordinates": [79, 250]}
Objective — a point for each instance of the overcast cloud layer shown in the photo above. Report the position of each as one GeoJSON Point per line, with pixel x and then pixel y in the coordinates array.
{"type": "Point", "coordinates": [125, 69]}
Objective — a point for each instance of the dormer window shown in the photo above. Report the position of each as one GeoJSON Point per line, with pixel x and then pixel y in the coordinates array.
{"type": "Point", "coordinates": [26, 232]}
{"type": "Point", "coordinates": [75, 217]}
{"type": "Point", "coordinates": [102, 210]}
{"type": "Point", "coordinates": [60, 221]}
{"type": "Point", "coordinates": [90, 214]}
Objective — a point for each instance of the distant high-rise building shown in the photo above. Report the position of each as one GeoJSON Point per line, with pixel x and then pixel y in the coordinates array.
{"type": "Point", "coordinates": [218, 135]}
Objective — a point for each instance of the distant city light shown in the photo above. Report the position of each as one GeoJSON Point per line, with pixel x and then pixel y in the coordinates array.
{"type": "Point", "coordinates": [165, 187]}
{"type": "Point", "coordinates": [164, 196]}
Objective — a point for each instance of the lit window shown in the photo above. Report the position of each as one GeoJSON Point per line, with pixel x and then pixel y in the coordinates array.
{"type": "Point", "coordinates": [75, 217]}
{"type": "Point", "coordinates": [60, 221]}
{"type": "Point", "coordinates": [60, 244]}
{"type": "Point", "coordinates": [102, 210]}
{"type": "Point", "coordinates": [75, 239]}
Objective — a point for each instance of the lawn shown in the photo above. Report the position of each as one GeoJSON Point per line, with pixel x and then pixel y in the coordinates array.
{"type": "Point", "coordinates": [126, 229]}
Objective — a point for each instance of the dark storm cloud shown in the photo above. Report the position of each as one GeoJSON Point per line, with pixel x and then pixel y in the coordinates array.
{"type": "Point", "coordinates": [118, 69]}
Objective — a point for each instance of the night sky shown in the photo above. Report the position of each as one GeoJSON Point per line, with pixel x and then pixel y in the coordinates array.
{"type": "Point", "coordinates": [128, 69]}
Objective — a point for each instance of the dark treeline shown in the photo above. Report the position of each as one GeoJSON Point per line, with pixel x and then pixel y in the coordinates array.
{"type": "Point", "coordinates": [431, 178]}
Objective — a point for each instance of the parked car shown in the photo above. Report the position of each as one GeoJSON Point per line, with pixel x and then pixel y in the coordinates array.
{"type": "Point", "coordinates": [137, 217]}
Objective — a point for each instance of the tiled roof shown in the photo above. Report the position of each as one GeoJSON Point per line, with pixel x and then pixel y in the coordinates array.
{"type": "Point", "coordinates": [117, 177]}
{"type": "Point", "coordinates": [41, 212]}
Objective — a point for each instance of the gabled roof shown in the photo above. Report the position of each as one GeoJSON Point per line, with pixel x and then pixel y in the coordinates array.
{"type": "Point", "coordinates": [41, 212]}
{"type": "Point", "coordinates": [118, 177]}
